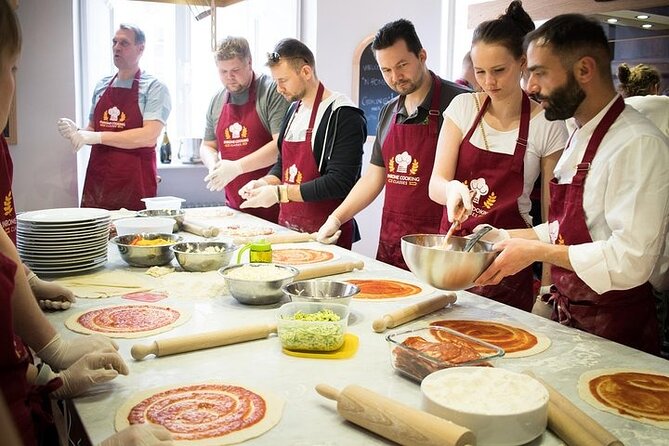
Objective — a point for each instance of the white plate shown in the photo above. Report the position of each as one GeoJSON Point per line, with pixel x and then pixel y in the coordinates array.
{"type": "Point", "coordinates": [63, 244]}
{"type": "Point", "coordinates": [68, 264]}
{"type": "Point", "coordinates": [36, 238]}
{"type": "Point", "coordinates": [67, 270]}
{"type": "Point", "coordinates": [67, 227]}
{"type": "Point", "coordinates": [64, 257]}
{"type": "Point", "coordinates": [56, 249]}
{"type": "Point", "coordinates": [63, 215]}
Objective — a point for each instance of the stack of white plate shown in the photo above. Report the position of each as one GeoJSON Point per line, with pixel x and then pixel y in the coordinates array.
{"type": "Point", "coordinates": [64, 240]}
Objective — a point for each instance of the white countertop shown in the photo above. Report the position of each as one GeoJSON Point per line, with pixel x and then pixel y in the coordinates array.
{"type": "Point", "coordinates": [308, 418]}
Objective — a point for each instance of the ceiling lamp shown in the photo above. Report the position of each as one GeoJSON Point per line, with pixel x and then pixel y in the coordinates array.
{"type": "Point", "coordinates": [647, 25]}
{"type": "Point", "coordinates": [643, 16]}
{"type": "Point", "coordinates": [612, 20]}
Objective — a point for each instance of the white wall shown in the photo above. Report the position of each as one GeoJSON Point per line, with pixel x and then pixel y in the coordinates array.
{"type": "Point", "coordinates": [44, 165]}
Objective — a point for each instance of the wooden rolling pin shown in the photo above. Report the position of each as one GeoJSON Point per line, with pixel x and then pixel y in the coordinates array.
{"type": "Point", "coordinates": [395, 421]}
{"type": "Point", "coordinates": [199, 229]}
{"type": "Point", "coordinates": [406, 314]}
{"type": "Point", "coordinates": [311, 272]}
{"type": "Point", "coordinates": [573, 425]}
{"type": "Point", "coordinates": [287, 237]}
{"type": "Point", "coordinates": [181, 344]}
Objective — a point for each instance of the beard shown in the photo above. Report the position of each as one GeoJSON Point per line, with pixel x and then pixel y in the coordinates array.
{"type": "Point", "coordinates": [564, 101]}
{"type": "Point", "coordinates": [408, 86]}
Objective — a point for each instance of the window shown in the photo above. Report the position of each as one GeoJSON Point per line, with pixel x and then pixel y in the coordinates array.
{"type": "Point", "coordinates": [178, 48]}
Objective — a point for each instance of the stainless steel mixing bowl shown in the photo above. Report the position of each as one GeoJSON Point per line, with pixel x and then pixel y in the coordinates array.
{"type": "Point", "coordinates": [177, 214]}
{"type": "Point", "coordinates": [203, 256]}
{"type": "Point", "coordinates": [143, 256]}
{"type": "Point", "coordinates": [323, 291]}
{"type": "Point", "coordinates": [446, 269]}
{"type": "Point", "coordinates": [256, 288]}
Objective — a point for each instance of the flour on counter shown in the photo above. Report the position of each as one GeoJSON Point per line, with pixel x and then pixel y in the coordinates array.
{"type": "Point", "coordinates": [183, 285]}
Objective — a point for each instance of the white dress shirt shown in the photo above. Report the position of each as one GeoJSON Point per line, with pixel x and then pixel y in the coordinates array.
{"type": "Point", "coordinates": [626, 204]}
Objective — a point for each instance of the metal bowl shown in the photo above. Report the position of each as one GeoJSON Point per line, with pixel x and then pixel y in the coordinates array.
{"type": "Point", "coordinates": [203, 256]}
{"type": "Point", "coordinates": [177, 214]}
{"type": "Point", "coordinates": [143, 256]}
{"type": "Point", "coordinates": [446, 269]}
{"type": "Point", "coordinates": [257, 289]}
{"type": "Point", "coordinates": [322, 291]}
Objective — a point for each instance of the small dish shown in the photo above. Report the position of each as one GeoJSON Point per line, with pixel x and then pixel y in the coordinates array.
{"type": "Point", "coordinates": [417, 353]}
{"type": "Point", "coordinates": [323, 333]}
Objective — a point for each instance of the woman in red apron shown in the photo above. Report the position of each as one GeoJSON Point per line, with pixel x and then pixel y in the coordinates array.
{"type": "Point", "coordinates": [501, 172]}
{"type": "Point", "coordinates": [404, 212]}
{"type": "Point", "coordinates": [119, 178]}
{"type": "Point", "coordinates": [303, 216]}
{"type": "Point", "coordinates": [231, 149]}
{"type": "Point", "coordinates": [624, 316]}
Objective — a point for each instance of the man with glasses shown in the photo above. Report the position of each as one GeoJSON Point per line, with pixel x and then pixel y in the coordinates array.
{"type": "Point", "coordinates": [320, 142]}
{"type": "Point", "coordinates": [405, 145]}
{"type": "Point", "coordinates": [243, 122]}
{"type": "Point", "coordinates": [129, 112]}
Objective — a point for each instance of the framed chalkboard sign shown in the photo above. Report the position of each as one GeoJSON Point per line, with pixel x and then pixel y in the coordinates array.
{"type": "Point", "coordinates": [370, 91]}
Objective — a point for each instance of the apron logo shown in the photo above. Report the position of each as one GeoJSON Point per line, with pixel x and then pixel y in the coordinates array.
{"type": "Point", "coordinates": [113, 118]}
{"type": "Point", "coordinates": [235, 135]}
{"type": "Point", "coordinates": [236, 131]}
{"type": "Point", "coordinates": [554, 233]}
{"type": "Point", "coordinates": [402, 170]}
{"type": "Point", "coordinates": [292, 175]}
{"type": "Point", "coordinates": [481, 189]}
{"type": "Point", "coordinates": [7, 205]}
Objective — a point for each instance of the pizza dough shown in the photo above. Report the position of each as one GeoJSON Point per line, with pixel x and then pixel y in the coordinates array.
{"type": "Point", "coordinates": [107, 284]}
{"type": "Point", "coordinates": [517, 342]}
{"type": "Point", "coordinates": [300, 256]}
{"type": "Point", "coordinates": [377, 289]}
{"type": "Point", "coordinates": [127, 321]}
{"type": "Point", "coordinates": [204, 414]}
{"type": "Point", "coordinates": [245, 231]}
{"type": "Point", "coordinates": [639, 395]}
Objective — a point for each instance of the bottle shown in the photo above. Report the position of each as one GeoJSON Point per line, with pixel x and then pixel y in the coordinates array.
{"type": "Point", "coordinates": [165, 150]}
{"type": "Point", "coordinates": [259, 252]}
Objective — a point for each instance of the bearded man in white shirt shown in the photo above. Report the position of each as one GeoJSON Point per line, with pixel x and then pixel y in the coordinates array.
{"type": "Point", "coordinates": [607, 229]}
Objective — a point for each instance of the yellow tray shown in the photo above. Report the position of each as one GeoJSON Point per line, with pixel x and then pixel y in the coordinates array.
{"type": "Point", "coordinates": [345, 351]}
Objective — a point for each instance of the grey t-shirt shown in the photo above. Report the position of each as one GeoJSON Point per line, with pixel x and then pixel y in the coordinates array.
{"type": "Point", "coordinates": [270, 106]}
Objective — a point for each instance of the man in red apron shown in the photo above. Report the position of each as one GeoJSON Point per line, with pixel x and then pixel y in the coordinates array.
{"type": "Point", "coordinates": [403, 153]}
{"type": "Point", "coordinates": [129, 112]}
{"type": "Point", "coordinates": [243, 124]}
{"type": "Point", "coordinates": [321, 143]}
{"type": "Point", "coordinates": [609, 199]}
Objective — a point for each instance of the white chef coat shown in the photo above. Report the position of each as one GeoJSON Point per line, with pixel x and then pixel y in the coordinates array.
{"type": "Point", "coordinates": [626, 204]}
{"type": "Point", "coordinates": [653, 107]}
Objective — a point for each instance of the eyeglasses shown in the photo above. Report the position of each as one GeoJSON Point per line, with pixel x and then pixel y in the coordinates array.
{"type": "Point", "coordinates": [275, 57]}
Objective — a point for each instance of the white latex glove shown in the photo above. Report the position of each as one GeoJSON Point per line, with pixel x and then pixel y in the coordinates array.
{"type": "Point", "coordinates": [61, 354]}
{"type": "Point", "coordinates": [329, 233]}
{"type": "Point", "coordinates": [458, 201]}
{"type": "Point", "coordinates": [261, 197]}
{"type": "Point", "coordinates": [245, 191]}
{"type": "Point", "coordinates": [140, 435]}
{"type": "Point", "coordinates": [90, 369]}
{"type": "Point", "coordinates": [494, 235]}
{"type": "Point", "coordinates": [67, 127]}
{"type": "Point", "coordinates": [50, 295]}
{"type": "Point", "coordinates": [222, 173]}
{"type": "Point", "coordinates": [84, 137]}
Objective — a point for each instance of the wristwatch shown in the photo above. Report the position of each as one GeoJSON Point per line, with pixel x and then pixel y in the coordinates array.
{"type": "Point", "coordinates": [283, 193]}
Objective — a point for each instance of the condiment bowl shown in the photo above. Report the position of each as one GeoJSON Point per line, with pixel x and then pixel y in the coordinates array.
{"type": "Point", "coordinates": [143, 256]}
{"type": "Point", "coordinates": [324, 291]}
{"type": "Point", "coordinates": [258, 283]}
{"type": "Point", "coordinates": [136, 225]}
{"type": "Point", "coordinates": [312, 326]}
{"type": "Point", "coordinates": [502, 408]}
{"type": "Point", "coordinates": [203, 256]}
{"type": "Point", "coordinates": [446, 269]}
{"type": "Point", "coordinates": [176, 214]}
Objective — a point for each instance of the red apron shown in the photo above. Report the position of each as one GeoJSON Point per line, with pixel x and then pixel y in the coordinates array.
{"type": "Point", "coordinates": [299, 166]}
{"type": "Point", "coordinates": [240, 132]}
{"type": "Point", "coordinates": [497, 180]}
{"type": "Point", "coordinates": [7, 210]}
{"type": "Point", "coordinates": [14, 358]}
{"type": "Point", "coordinates": [119, 178]}
{"type": "Point", "coordinates": [408, 154]}
{"type": "Point", "coordinates": [624, 316]}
